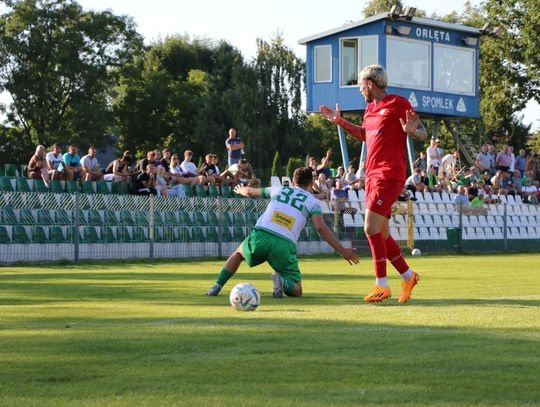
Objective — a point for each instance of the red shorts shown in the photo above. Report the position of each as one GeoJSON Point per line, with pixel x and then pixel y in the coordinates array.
{"type": "Point", "coordinates": [381, 195]}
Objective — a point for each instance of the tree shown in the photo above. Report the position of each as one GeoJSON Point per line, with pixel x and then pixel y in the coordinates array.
{"type": "Point", "coordinates": [379, 6]}
{"type": "Point", "coordinates": [56, 63]}
{"type": "Point", "coordinates": [277, 167]}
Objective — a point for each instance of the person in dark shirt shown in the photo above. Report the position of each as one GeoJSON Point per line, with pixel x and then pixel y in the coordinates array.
{"type": "Point", "coordinates": [210, 171]}
{"type": "Point", "coordinates": [145, 183]}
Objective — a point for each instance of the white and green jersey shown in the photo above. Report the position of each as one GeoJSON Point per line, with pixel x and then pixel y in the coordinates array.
{"type": "Point", "coordinates": [288, 211]}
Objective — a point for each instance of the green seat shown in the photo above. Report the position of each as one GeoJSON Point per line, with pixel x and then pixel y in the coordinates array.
{"type": "Point", "coordinates": [94, 217]}
{"type": "Point", "coordinates": [107, 234]}
{"type": "Point", "coordinates": [63, 217]}
{"type": "Point", "coordinates": [122, 234]}
{"type": "Point", "coordinates": [56, 235]}
{"type": "Point", "coordinates": [4, 235]}
{"type": "Point", "coordinates": [212, 218]}
{"type": "Point", "coordinates": [70, 230]}
{"type": "Point", "coordinates": [185, 219]}
{"type": "Point", "coordinates": [226, 191]}
{"type": "Point", "coordinates": [39, 186]}
{"type": "Point", "coordinates": [251, 218]}
{"type": "Point", "coordinates": [117, 188]}
{"type": "Point", "coordinates": [238, 219]}
{"type": "Point", "coordinates": [141, 218]}
{"type": "Point", "coordinates": [8, 216]}
{"type": "Point", "coordinates": [102, 187]}
{"type": "Point", "coordinates": [24, 170]}
{"type": "Point", "coordinates": [183, 234]}
{"type": "Point", "coordinates": [164, 234]}
{"type": "Point", "coordinates": [211, 234]}
{"type": "Point", "coordinates": [19, 234]}
{"type": "Point", "coordinates": [71, 186]}
{"type": "Point", "coordinates": [5, 185]}
{"type": "Point", "coordinates": [303, 236]}
{"type": "Point", "coordinates": [139, 235]}
{"type": "Point", "coordinates": [226, 219]}
{"type": "Point", "coordinates": [87, 187]}
{"type": "Point", "coordinates": [56, 186]}
{"type": "Point", "coordinates": [10, 170]}
{"type": "Point", "coordinates": [26, 217]}
{"type": "Point", "coordinates": [238, 234]}
{"type": "Point", "coordinates": [188, 190]}
{"type": "Point", "coordinates": [90, 235]}
{"type": "Point", "coordinates": [126, 219]}
{"type": "Point", "coordinates": [158, 219]}
{"type": "Point", "coordinates": [110, 218]}
{"type": "Point", "coordinates": [38, 234]}
{"type": "Point", "coordinates": [22, 185]}
{"type": "Point", "coordinates": [199, 220]}
{"type": "Point", "coordinates": [44, 217]}
{"type": "Point", "coordinates": [213, 191]}
{"type": "Point", "coordinates": [169, 219]}
{"type": "Point", "coordinates": [200, 191]}
{"type": "Point", "coordinates": [226, 235]}
{"type": "Point", "coordinates": [197, 234]}
{"type": "Point", "coordinates": [313, 235]}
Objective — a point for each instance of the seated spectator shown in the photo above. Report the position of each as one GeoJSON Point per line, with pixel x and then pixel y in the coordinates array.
{"type": "Point", "coordinates": [466, 177]}
{"type": "Point", "coordinates": [477, 205]}
{"type": "Point", "coordinates": [37, 166]}
{"type": "Point", "coordinates": [119, 170]}
{"type": "Point", "coordinates": [158, 157]}
{"type": "Point", "coordinates": [414, 184]}
{"type": "Point", "coordinates": [406, 195]}
{"type": "Point", "coordinates": [353, 180]}
{"type": "Point", "coordinates": [432, 179]}
{"type": "Point", "coordinates": [473, 190]}
{"type": "Point", "coordinates": [320, 189]}
{"type": "Point", "coordinates": [55, 159]}
{"type": "Point", "coordinates": [424, 179]}
{"type": "Point", "coordinates": [245, 176]}
{"type": "Point", "coordinates": [90, 166]}
{"type": "Point", "coordinates": [496, 182]}
{"type": "Point", "coordinates": [141, 165]}
{"type": "Point", "coordinates": [190, 169]}
{"type": "Point", "coordinates": [178, 176]}
{"type": "Point", "coordinates": [162, 181]}
{"type": "Point", "coordinates": [421, 163]}
{"type": "Point", "coordinates": [444, 184]}
{"type": "Point", "coordinates": [341, 176]}
{"type": "Point", "coordinates": [449, 164]}
{"type": "Point", "coordinates": [361, 173]}
{"type": "Point", "coordinates": [530, 192]}
{"type": "Point", "coordinates": [210, 171]}
{"type": "Point", "coordinates": [145, 183]}
{"type": "Point", "coordinates": [339, 199]}
{"type": "Point", "coordinates": [72, 163]}
{"type": "Point", "coordinates": [461, 196]}
{"type": "Point", "coordinates": [166, 159]}
{"type": "Point", "coordinates": [516, 181]}
{"type": "Point", "coordinates": [324, 167]}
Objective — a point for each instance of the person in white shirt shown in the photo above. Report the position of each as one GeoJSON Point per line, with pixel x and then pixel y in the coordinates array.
{"type": "Point", "coordinates": [448, 164]}
{"type": "Point", "coordinates": [433, 154]}
{"type": "Point", "coordinates": [177, 174]}
{"type": "Point", "coordinates": [190, 169]}
{"type": "Point", "coordinates": [90, 166]}
{"type": "Point", "coordinates": [55, 161]}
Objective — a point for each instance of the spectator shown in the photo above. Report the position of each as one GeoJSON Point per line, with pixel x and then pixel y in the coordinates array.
{"type": "Point", "coordinates": [353, 180]}
{"type": "Point", "coordinates": [516, 181]}
{"type": "Point", "coordinates": [244, 175]}
{"type": "Point", "coordinates": [166, 159]}
{"type": "Point", "coordinates": [492, 159]}
{"type": "Point", "coordinates": [190, 169]}
{"type": "Point", "coordinates": [449, 163]}
{"type": "Point", "coordinates": [496, 182]}
{"type": "Point", "coordinates": [54, 163]}
{"type": "Point", "coordinates": [504, 159]}
{"type": "Point", "coordinates": [37, 166]}
{"type": "Point", "coordinates": [444, 184]}
{"type": "Point", "coordinates": [119, 171]}
{"type": "Point", "coordinates": [149, 159]}
{"type": "Point", "coordinates": [235, 147]}
{"type": "Point", "coordinates": [90, 166]}
{"type": "Point", "coordinates": [157, 159]}
{"type": "Point", "coordinates": [432, 179]}
{"type": "Point", "coordinates": [406, 195]}
{"type": "Point", "coordinates": [473, 190]}
{"type": "Point", "coordinates": [341, 175]}
{"type": "Point", "coordinates": [477, 205]}
{"type": "Point", "coordinates": [461, 196]}
{"type": "Point", "coordinates": [433, 155]}
{"type": "Point", "coordinates": [72, 163]}
{"type": "Point", "coordinates": [483, 159]}
{"type": "Point", "coordinates": [178, 176]}
{"type": "Point", "coordinates": [414, 183]}
{"type": "Point", "coordinates": [324, 167]}
{"type": "Point", "coordinates": [320, 189]}
{"type": "Point", "coordinates": [424, 179]}
{"type": "Point", "coordinates": [145, 184]}
{"type": "Point", "coordinates": [530, 192]}
{"type": "Point", "coordinates": [521, 162]}
{"type": "Point", "coordinates": [162, 181]}
{"type": "Point", "coordinates": [508, 184]}
{"type": "Point", "coordinates": [340, 200]}
{"type": "Point", "coordinates": [421, 162]}
{"type": "Point", "coordinates": [312, 165]}
{"type": "Point", "coordinates": [361, 173]}
{"type": "Point", "coordinates": [512, 159]}
{"type": "Point", "coordinates": [532, 163]}
{"type": "Point", "coordinates": [210, 171]}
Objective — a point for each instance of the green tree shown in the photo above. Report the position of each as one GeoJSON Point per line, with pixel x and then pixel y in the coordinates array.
{"type": "Point", "coordinates": [56, 65]}
{"type": "Point", "coordinates": [277, 167]}
{"type": "Point", "coordinates": [292, 164]}
{"type": "Point", "coordinates": [379, 6]}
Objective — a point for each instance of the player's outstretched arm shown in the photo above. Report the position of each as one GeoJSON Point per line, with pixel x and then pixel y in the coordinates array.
{"type": "Point", "coordinates": [248, 191]}
{"type": "Point", "coordinates": [326, 233]}
{"type": "Point", "coordinates": [334, 115]}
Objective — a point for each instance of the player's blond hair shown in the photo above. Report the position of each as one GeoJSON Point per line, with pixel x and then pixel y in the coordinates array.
{"type": "Point", "coordinates": [375, 73]}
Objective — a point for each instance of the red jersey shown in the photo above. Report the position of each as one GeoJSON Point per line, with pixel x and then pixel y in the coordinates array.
{"type": "Point", "coordinates": [385, 138]}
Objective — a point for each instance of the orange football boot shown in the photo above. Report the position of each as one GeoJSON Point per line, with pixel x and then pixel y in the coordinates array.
{"type": "Point", "coordinates": [378, 294]}
{"type": "Point", "coordinates": [408, 286]}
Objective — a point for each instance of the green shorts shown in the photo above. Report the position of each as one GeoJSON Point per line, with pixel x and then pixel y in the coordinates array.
{"type": "Point", "coordinates": [260, 246]}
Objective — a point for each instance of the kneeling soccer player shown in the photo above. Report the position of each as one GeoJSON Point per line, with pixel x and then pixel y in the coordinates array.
{"type": "Point", "coordinates": [276, 233]}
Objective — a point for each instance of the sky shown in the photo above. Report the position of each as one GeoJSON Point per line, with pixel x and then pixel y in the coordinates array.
{"type": "Point", "coordinates": [241, 22]}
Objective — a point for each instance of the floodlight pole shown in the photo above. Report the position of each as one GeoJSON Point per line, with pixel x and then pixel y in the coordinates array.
{"type": "Point", "coordinates": [343, 147]}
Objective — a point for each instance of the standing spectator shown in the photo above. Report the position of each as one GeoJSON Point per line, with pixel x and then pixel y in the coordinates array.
{"type": "Point", "coordinates": [145, 184]}
{"type": "Point", "coordinates": [235, 146]}
{"type": "Point", "coordinates": [449, 163]}
{"type": "Point", "coordinates": [54, 162]}
{"type": "Point", "coordinates": [521, 162]}
{"type": "Point", "coordinates": [532, 163]}
{"type": "Point", "coordinates": [178, 176]}
{"type": "Point", "coordinates": [421, 162]}
{"type": "Point", "coordinates": [118, 170]}
{"type": "Point", "coordinates": [388, 120]}
{"type": "Point", "coordinates": [512, 159]}
{"type": "Point", "coordinates": [433, 155]}
{"type": "Point", "coordinates": [312, 165]}
{"type": "Point", "coordinates": [90, 166]}
{"type": "Point", "coordinates": [190, 169]}
{"type": "Point", "coordinates": [504, 159]}
{"type": "Point", "coordinates": [72, 163]}
{"type": "Point", "coordinates": [37, 166]}
{"type": "Point", "coordinates": [441, 152]}
{"type": "Point", "coordinates": [492, 159]}
{"type": "Point", "coordinates": [483, 159]}
{"type": "Point", "coordinates": [324, 167]}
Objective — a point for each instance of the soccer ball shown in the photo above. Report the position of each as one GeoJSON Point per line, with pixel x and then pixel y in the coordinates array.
{"type": "Point", "coordinates": [245, 297]}
{"type": "Point", "coordinates": [416, 252]}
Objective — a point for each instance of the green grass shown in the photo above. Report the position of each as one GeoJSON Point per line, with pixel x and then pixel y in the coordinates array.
{"type": "Point", "coordinates": [132, 334]}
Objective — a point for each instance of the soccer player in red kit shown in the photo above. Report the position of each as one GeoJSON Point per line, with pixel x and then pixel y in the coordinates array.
{"type": "Point", "coordinates": [388, 119]}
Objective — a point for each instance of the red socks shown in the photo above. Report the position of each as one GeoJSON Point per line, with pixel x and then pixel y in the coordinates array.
{"type": "Point", "coordinates": [393, 253]}
{"type": "Point", "coordinates": [378, 251]}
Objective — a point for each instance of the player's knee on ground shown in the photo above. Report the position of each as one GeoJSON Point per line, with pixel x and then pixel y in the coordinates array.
{"type": "Point", "coordinates": [296, 291]}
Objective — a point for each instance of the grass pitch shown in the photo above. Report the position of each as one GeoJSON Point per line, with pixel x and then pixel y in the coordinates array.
{"type": "Point", "coordinates": [143, 334]}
